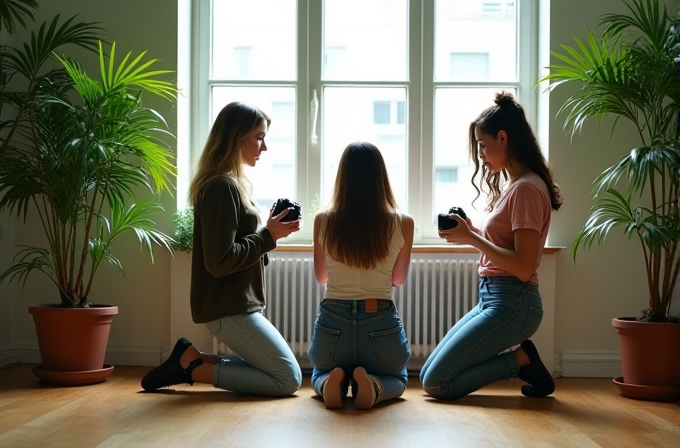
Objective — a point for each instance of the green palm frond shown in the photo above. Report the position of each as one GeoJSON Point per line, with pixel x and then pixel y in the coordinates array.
{"type": "Point", "coordinates": [135, 218]}
{"type": "Point", "coordinates": [603, 68]}
{"type": "Point", "coordinates": [28, 59]}
{"type": "Point", "coordinates": [13, 12]}
{"type": "Point", "coordinates": [609, 211]}
{"type": "Point", "coordinates": [26, 260]}
{"type": "Point", "coordinates": [647, 20]}
{"type": "Point", "coordinates": [639, 166]}
{"type": "Point", "coordinates": [99, 251]}
{"type": "Point", "coordinates": [115, 80]}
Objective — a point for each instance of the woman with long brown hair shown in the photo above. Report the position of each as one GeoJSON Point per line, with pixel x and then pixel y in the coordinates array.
{"type": "Point", "coordinates": [362, 248]}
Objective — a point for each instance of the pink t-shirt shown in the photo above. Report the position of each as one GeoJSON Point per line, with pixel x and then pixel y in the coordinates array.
{"type": "Point", "coordinates": [524, 205]}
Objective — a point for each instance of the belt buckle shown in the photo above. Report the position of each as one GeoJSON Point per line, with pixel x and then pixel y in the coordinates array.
{"type": "Point", "coordinates": [371, 305]}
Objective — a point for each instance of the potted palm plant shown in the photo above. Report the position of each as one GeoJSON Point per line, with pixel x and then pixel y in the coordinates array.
{"type": "Point", "coordinates": [78, 154]}
{"type": "Point", "coordinates": [630, 72]}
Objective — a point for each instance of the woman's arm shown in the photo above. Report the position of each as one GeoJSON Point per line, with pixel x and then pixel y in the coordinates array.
{"type": "Point", "coordinates": [520, 262]}
{"type": "Point", "coordinates": [472, 227]}
{"type": "Point", "coordinates": [403, 262]}
{"type": "Point", "coordinates": [320, 268]}
{"type": "Point", "coordinates": [223, 252]}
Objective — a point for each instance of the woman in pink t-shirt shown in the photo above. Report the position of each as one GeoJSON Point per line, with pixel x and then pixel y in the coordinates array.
{"type": "Point", "coordinates": [522, 194]}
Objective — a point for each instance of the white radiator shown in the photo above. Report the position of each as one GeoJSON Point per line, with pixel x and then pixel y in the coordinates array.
{"type": "Point", "coordinates": [436, 294]}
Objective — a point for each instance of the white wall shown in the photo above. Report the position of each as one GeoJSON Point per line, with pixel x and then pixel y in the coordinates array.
{"type": "Point", "coordinates": [605, 282]}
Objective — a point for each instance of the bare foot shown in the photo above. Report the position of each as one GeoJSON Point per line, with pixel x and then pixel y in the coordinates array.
{"type": "Point", "coordinates": [332, 393]}
{"type": "Point", "coordinates": [365, 396]}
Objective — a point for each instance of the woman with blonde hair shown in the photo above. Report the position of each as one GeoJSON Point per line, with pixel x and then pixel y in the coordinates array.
{"type": "Point", "coordinates": [227, 275]}
{"type": "Point", "coordinates": [362, 248]}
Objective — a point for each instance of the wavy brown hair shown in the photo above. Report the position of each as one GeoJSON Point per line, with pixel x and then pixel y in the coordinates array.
{"type": "Point", "coordinates": [508, 115]}
{"type": "Point", "coordinates": [222, 151]}
{"type": "Point", "coordinates": [360, 218]}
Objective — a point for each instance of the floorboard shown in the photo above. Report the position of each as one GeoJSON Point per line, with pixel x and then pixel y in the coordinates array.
{"type": "Point", "coordinates": [582, 413]}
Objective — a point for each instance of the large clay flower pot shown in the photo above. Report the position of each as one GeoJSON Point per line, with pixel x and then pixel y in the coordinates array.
{"type": "Point", "coordinates": [650, 359]}
{"type": "Point", "coordinates": [72, 343]}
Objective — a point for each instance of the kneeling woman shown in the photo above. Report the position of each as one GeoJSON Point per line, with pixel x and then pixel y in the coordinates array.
{"type": "Point", "coordinates": [362, 248]}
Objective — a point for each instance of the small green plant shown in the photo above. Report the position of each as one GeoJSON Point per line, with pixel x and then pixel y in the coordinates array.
{"type": "Point", "coordinates": [184, 230]}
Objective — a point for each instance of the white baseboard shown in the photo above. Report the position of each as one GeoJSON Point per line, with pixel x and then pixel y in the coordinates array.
{"type": "Point", "coordinates": [115, 355]}
{"type": "Point", "coordinates": [571, 364]}
{"type": "Point", "coordinates": [591, 364]}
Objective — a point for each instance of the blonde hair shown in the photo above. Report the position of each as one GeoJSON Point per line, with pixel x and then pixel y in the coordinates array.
{"type": "Point", "coordinates": [222, 151]}
{"type": "Point", "coordinates": [359, 222]}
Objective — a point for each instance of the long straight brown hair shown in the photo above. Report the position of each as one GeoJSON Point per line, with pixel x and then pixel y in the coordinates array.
{"type": "Point", "coordinates": [360, 218]}
{"type": "Point", "coordinates": [222, 151]}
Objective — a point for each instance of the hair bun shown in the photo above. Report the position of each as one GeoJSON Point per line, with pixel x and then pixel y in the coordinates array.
{"type": "Point", "coordinates": [505, 99]}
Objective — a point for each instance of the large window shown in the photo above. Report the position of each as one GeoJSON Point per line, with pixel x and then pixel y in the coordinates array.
{"type": "Point", "coordinates": [406, 75]}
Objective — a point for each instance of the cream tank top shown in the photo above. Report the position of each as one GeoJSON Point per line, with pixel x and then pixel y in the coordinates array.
{"type": "Point", "coordinates": [352, 283]}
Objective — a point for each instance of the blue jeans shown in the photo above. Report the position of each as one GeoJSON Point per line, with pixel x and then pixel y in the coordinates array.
{"type": "Point", "coordinates": [472, 354]}
{"type": "Point", "coordinates": [264, 363]}
{"type": "Point", "coordinates": [348, 336]}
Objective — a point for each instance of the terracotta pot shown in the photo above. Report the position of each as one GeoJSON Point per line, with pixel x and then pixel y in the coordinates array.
{"type": "Point", "coordinates": [650, 358]}
{"type": "Point", "coordinates": [72, 343]}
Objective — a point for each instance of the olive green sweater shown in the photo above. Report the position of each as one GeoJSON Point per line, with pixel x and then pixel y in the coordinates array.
{"type": "Point", "coordinates": [228, 255]}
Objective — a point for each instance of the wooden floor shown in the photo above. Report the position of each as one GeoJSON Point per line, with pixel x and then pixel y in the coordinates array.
{"type": "Point", "coordinates": [582, 413]}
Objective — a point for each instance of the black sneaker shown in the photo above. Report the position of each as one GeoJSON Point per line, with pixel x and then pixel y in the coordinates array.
{"type": "Point", "coordinates": [540, 381]}
{"type": "Point", "coordinates": [171, 372]}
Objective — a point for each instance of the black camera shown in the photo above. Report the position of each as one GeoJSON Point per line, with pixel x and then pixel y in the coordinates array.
{"type": "Point", "coordinates": [294, 209]}
{"type": "Point", "coordinates": [445, 223]}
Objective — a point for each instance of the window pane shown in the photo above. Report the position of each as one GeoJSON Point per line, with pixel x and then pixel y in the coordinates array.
{"type": "Point", "coordinates": [274, 175]}
{"type": "Point", "coordinates": [381, 112]}
{"type": "Point", "coordinates": [475, 40]}
{"type": "Point", "coordinates": [453, 168]}
{"type": "Point", "coordinates": [254, 39]}
{"type": "Point", "coordinates": [349, 116]}
{"type": "Point", "coordinates": [365, 40]}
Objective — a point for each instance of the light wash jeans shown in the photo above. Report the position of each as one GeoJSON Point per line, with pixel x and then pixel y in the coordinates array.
{"type": "Point", "coordinates": [471, 355]}
{"type": "Point", "coordinates": [264, 363]}
{"type": "Point", "coordinates": [347, 336]}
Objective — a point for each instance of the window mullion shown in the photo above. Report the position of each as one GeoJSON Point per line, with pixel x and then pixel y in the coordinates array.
{"type": "Point", "coordinates": [415, 117]}
{"type": "Point", "coordinates": [200, 74]}
{"type": "Point", "coordinates": [527, 63]}
{"type": "Point", "coordinates": [422, 157]}
{"type": "Point", "coordinates": [310, 53]}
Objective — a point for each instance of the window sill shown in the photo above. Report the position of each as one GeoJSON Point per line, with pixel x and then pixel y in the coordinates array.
{"type": "Point", "coordinates": [417, 249]}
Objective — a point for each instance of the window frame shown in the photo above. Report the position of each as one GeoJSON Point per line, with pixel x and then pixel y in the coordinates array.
{"type": "Point", "coordinates": [419, 108]}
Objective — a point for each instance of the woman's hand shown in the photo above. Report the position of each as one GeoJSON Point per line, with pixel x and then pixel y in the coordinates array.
{"type": "Point", "coordinates": [280, 229]}
{"type": "Point", "coordinates": [461, 234]}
